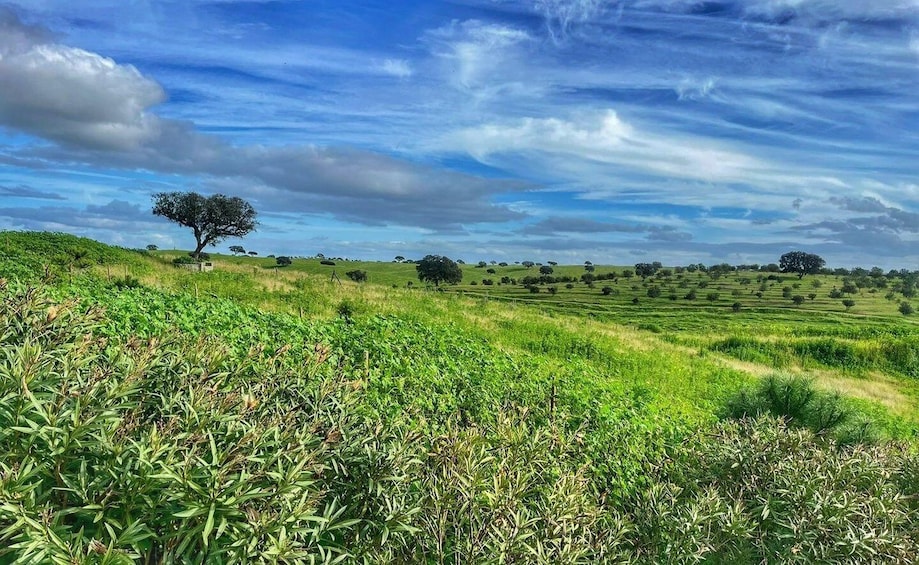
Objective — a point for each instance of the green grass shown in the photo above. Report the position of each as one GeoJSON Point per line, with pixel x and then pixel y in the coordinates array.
{"type": "Point", "coordinates": [150, 414]}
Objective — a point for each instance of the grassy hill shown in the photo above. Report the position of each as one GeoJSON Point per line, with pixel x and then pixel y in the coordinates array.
{"type": "Point", "coordinates": [151, 414]}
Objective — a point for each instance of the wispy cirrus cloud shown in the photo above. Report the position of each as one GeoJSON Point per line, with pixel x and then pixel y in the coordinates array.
{"type": "Point", "coordinates": [23, 191]}
{"type": "Point", "coordinates": [718, 130]}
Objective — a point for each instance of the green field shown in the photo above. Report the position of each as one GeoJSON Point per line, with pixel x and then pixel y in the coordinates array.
{"type": "Point", "coordinates": [150, 414]}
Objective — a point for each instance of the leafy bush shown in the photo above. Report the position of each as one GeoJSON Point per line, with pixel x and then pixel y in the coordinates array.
{"type": "Point", "coordinates": [327, 262]}
{"type": "Point", "coordinates": [906, 308]}
{"type": "Point", "coordinates": [754, 491]}
{"type": "Point", "coordinates": [184, 260]}
{"type": "Point", "coordinates": [126, 282]}
{"type": "Point", "coordinates": [357, 275]}
{"type": "Point", "coordinates": [795, 400]}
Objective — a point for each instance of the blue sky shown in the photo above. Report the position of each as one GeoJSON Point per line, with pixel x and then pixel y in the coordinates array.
{"type": "Point", "coordinates": [613, 131]}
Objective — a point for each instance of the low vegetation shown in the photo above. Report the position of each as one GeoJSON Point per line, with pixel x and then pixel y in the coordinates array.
{"type": "Point", "coordinates": [152, 415]}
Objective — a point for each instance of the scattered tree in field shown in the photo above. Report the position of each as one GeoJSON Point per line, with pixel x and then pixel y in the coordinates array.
{"type": "Point", "coordinates": [283, 261]}
{"type": "Point", "coordinates": [801, 263]}
{"type": "Point", "coordinates": [848, 303]}
{"type": "Point", "coordinates": [552, 290]}
{"type": "Point", "coordinates": [737, 306]}
{"type": "Point", "coordinates": [437, 269]}
{"type": "Point", "coordinates": [906, 308]}
{"type": "Point", "coordinates": [327, 262]}
{"type": "Point", "coordinates": [589, 268]}
{"type": "Point", "coordinates": [606, 290]}
{"type": "Point", "coordinates": [546, 270]}
{"type": "Point", "coordinates": [481, 265]}
{"type": "Point", "coordinates": [712, 297]}
{"type": "Point", "coordinates": [528, 264]}
{"type": "Point", "coordinates": [252, 253]}
{"type": "Point", "coordinates": [357, 275]}
{"type": "Point", "coordinates": [654, 292]}
{"type": "Point", "coordinates": [152, 247]}
{"type": "Point", "coordinates": [399, 259]}
{"type": "Point", "coordinates": [812, 296]}
{"type": "Point", "coordinates": [552, 263]}
{"type": "Point", "coordinates": [491, 271]}
{"type": "Point", "coordinates": [237, 250]}
{"type": "Point", "coordinates": [798, 299]}
{"type": "Point", "coordinates": [212, 219]}
{"type": "Point", "coordinates": [645, 270]}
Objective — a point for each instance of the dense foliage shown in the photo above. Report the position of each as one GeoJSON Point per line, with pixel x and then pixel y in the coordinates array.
{"type": "Point", "coordinates": [231, 417]}
{"type": "Point", "coordinates": [211, 218]}
{"type": "Point", "coordinates": [144, 443]}
{"type": "Point", "coordinates": [437, 269]}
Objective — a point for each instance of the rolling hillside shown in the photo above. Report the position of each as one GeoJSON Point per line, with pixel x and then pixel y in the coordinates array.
{"type": "Point", "coordinates": [152, 414]}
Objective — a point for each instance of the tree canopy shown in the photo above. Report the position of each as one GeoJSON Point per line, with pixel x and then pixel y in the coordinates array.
{"type": "Point", "coordinates": [212, 218]}
{"type": "Point", "coordinates": [645, 270]}
{"type": "Point", "coordinates": [801, 263]}
{"type": "Point", "coordinates": [438, 269]}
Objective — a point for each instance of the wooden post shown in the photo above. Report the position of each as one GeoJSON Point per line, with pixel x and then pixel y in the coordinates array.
{"type": "Point", "coordinates": [552, 401]}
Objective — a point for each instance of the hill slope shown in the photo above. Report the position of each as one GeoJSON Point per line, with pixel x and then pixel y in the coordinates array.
{"type": "Point", "coordinates": [150, 414]}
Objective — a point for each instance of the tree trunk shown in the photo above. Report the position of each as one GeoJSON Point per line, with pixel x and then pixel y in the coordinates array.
{"type": "Point", "coordinates": [198, 249]}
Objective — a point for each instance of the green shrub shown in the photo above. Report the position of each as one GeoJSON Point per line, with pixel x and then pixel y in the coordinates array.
{"type": "Point", "coordinates": [126, 282]}
{"type": "Point", "coordinates": [793, 399]}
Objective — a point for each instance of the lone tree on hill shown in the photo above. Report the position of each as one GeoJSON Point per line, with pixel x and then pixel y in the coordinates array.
{"type": "Point", "coordinates": [237, 250]}
{"type": "Point", "coordinates": [213, 218]}
{"type": "Point", "coordinates": [801, 263]}
{"type": "Point", "coordinates": [438, 269]}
